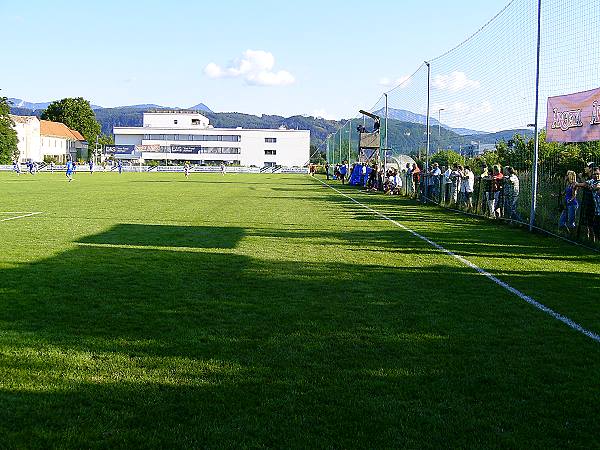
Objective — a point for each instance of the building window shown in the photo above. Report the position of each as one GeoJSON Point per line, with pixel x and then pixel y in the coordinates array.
{"type": "Point", "coordinates": [175, 121]}
{"type": "Point", "coordinates": [270, 152]}
{"type": "Point", "coordinates": [270, 140]}
{"type": "Point", "coordinates": [270, 164]}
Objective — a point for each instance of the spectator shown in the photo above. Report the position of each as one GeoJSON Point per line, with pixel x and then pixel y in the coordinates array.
{"type": "Point", "coordinates": [327, 169]}
{"type": "Point", "coordinates": [511, 194]}
{"type": "Point", "coordinates": [455, 175]}
{"type": "Point", "coordinates": [466, 187]}
{"type": "Point", "coordinates": [433, 182]}
{"type": "Point", "coordinates": [496, 186]}
{"type": "Point", "coordinates": [416, 178]}
{"type": "Point", "coordinates": [586, 213]}
{"type": "Point", "coordinates": [446, 184]}
{"type": "Point", "coordinates": [593, 186]}
{"type": "Point", "coordinates": [343, 171]}
{"type": "Point", "coordinates": [567, 217]}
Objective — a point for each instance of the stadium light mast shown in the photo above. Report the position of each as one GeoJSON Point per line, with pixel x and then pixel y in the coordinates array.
{"type": "Point", "coordinates": [349, 139]}
{"type": "Point", "coordinates": [536, 142]}
{"type": "Point", "coordinates": [386, 135]}
{"type": "Point", "coordinates": [428, 97]}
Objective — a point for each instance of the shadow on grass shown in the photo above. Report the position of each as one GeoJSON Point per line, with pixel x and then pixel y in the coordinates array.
{"type": "Point", "coordinates": [108, 346]}
{"type": "Point", "coordinates": [168, 236]}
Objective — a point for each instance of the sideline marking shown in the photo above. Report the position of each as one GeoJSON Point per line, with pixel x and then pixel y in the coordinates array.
{"type": "Point", "coordinates": [486, 274]}
{"type": "Point", "coordinates": [19, 217]}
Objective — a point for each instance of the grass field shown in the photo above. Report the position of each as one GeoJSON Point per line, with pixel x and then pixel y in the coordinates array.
{"type": "Point", "coordinates": [145, 310]}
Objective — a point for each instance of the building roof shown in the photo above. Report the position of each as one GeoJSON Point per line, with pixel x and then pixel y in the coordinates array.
{"type": "Point", "coordinates": [59, 129]}
{"type": "Point", "coordinates": [22, 119]}
{"type": "Point", "coordinates": [78, 135]}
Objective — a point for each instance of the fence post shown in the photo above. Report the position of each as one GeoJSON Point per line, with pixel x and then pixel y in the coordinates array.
{"type": "Point", "coordinates": [535, 130]}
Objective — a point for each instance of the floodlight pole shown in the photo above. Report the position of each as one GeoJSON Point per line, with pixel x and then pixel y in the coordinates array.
{"type": "Point", "coordinates": [386, 135]}
{"type": "Point", "coordinates": [536, 144]}
{"type": "Point", "coordinates": [349, 139]}
{"type": "Point", "coordinates": [340, 146]}
{"type": "Point", "coordinates": [427, 156]}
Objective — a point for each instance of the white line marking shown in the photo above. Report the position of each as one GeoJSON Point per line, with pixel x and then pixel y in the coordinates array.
{"type": "Point", "coordinates": [20, 217]}
{"type": "Point", "coordinates": [486, 274]}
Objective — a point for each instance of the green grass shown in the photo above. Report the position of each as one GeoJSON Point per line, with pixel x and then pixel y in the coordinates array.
{"type": "Point", "coordinates": [144, 310]}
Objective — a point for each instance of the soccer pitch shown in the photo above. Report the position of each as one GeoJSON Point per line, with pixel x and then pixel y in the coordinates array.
{"type": "Point", "coordinates": [147, 310]}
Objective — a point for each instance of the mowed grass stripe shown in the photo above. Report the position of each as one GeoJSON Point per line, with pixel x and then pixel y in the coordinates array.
{"type": "Point", "coordinates": [260, 311]}
{"type": "Point", "coordinates": [486, 274]}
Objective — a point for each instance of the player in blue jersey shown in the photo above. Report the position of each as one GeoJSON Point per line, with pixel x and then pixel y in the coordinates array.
{"type": "Point", "coordinates": [70, 170]}
{"type": "Point", "coordinates": [17, 167]}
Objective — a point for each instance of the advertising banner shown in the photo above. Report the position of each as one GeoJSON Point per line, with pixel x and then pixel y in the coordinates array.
{"type": "Point", "coordinates": [119, 149]}
{"type": "Point", "coordinates": [191, 149]}
{"type": "Point", "coordinates": [574, 117]}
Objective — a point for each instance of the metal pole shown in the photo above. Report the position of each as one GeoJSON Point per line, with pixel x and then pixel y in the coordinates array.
{"type": "Point", "coordinates": [427, 156]}
{"type": "Point", "coordinates": [534, 180]}
{"type": "Point", "coordinates": [386, 135]}
{"type": "Point", "coordinates": [349, 139]}
{"type": "Point", "coordinates": [340, 146]}
{"type": "Point", "coordinates": [439, 121]}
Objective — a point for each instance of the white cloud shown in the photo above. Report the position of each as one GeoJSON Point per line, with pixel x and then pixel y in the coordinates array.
{"type": "Point", "coordinates": [255, 67]}
{"type": "Point", "coordinates": [456, 81]}
{"type": "Point", "coordinates": [393, 82]}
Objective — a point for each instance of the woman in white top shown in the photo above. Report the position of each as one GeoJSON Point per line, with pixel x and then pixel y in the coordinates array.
{"type": "Point", "coordinates": [466, 186]}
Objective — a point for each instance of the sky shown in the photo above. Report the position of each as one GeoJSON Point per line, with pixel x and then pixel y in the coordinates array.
{"type": "Point", "coordinates": [321, 58]}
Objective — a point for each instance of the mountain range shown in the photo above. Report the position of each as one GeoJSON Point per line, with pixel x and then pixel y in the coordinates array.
{"type": "Point", "coordinates": [406, 130]}
{"type": "Point", "coordinates": [19, 103]}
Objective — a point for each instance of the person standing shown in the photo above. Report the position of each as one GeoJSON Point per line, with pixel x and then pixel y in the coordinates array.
{"type": "Point", "coordinates": [343, 171]}
{"type": "Point", "coordinates": [567, 217]}
{"type": "Point", "coordinates": [593, 185]}
{"type": "Point", "coordinates": [186, 169]}
{"type": "Point", "coordinates": [120, 167]}
{"type": "Point", "coordinates": [586, 212]}
{"type": "Point", "coordinates": [327, 169]}
{"type": "Point", "coordinates": [511, 194]}
{"type": "Point", "coordinates": [17, 167]}
{"type": "Point", "coordinates": [70, 169]}
{"type": "Point", "coordinates": [466, 187]}
{"type": "Point", "coordinates": [416, 179]}
{"type": "Point", "coordinates": [222, 166]}
{"type": "Point", "coordinates": [91, 164]}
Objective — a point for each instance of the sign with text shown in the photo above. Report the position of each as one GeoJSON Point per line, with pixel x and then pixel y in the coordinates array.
{"type": "Point", "coordinates": [148, 148]}
{"type": "Point", "coordinates": [119, 149]}
{"type": "Point", "coordinates": [574, 117]}
{"type": "Point", "coordinates": [185, 149]}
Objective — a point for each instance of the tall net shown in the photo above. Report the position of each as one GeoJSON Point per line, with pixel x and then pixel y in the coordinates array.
{"type": "Point", "coordinates": [482, 109]}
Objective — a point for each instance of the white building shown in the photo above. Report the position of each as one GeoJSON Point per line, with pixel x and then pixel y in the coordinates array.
{"type": "Point", "coordinates": [28, 135]}
{"type": "Point", "coordinates": [187, 136]}
{"type": "Point", "coordinates": [39, 139]}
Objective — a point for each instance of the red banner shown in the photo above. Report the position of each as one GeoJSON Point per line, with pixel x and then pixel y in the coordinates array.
{"type": "Point", "coordinates": [574, 117]}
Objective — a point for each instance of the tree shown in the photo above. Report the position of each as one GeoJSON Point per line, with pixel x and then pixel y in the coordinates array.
{"type": "Point", "coordinates": [77, 114]}
{"type": "Point", "coordinates": [447, 158]}
{"type": "Point", "coordinates": [8, 135]}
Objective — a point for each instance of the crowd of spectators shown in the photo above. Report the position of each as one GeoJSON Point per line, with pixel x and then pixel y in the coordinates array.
{"type": "Point", "coordinates": [492, 191]}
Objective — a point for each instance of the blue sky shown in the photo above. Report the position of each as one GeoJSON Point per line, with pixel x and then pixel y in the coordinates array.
{"type": "Point", "coordinates": [323, 58]}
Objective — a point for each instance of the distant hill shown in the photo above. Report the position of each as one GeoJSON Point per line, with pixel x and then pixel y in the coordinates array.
{"type": "Point", "coordinates": [403, 115]}
{"type": "Point", "coordinates": [200, 107]}
{"type": "Point", "coordinates": [404, 136]}
{"type": "Point", "coordinates": [18, 103]}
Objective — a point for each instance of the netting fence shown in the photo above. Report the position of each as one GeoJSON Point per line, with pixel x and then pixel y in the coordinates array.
{"type": "Point", "coordinates": [482, 112]}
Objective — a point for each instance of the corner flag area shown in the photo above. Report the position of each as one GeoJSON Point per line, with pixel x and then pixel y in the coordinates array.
{"type": "Point", "coordinates": [151, 310]}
